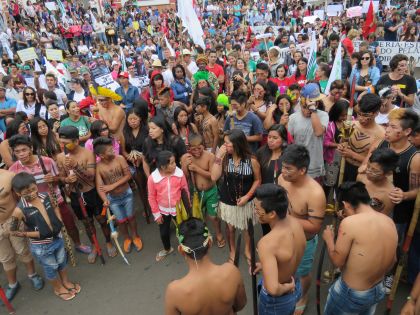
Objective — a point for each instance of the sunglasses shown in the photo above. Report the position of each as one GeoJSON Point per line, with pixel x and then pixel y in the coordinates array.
{"type": "Point", "coordinates": [29, 94]}
{"type": "Point", "coordinates": [365, 58]}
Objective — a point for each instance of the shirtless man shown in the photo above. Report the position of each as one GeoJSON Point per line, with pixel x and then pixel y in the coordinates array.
{"type": "Point", "coordinates": [112, 114]}
{"type": "Point", "coordinates": [208, 126]}
{"type": "Point", "coordinates": [198, 163]}
{"type": "Point", "coordinates": [207, 289]}
{"type": "Point", "coordinates": [366, 131]}
{"type": "Point", "coordinates": [76, 166]}
{"type": "Point", "coordinates": [112, 176]}
{"type": "Point", "coordinates": [365, 250]}
{"type": "Point", "coordinates": [307, 201]}
{"type": "Point", "coordinates": [381, 164]}
{"type": "Point", "coordinates": [280, 251]}
{"type": "Point", "coordinates": [12, 246]}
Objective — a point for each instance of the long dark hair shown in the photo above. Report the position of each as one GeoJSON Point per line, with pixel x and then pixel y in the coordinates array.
{"type": "Point", "coordinates": [25, 100]}
{"type": "Point", "coordinates": [52, 147]}
{"type": "Point", "coordinates": [264, 153]}
{"type": "Point", "coordinates": [96, 128]}
{"type": "Point", "coordinates": [178, 111]}
{"type": "Point", "coordinates": [151, 146]}
{"type": "Point", "coordinates": [266, 91]}
{"type": "Point", "coordinates": [297, 73]}
{"type": "Point", "coordinates": [239, 142]}
{"type": "Point", "coordinates": [13, 127]}
{"type": "Point", "coordinates": [278, 112]}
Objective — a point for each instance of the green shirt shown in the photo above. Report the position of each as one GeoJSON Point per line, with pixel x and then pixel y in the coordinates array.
{"type": "Point", "coordinates": [252, 66]}
{"type": "Point", "coordinates": [82, 124]}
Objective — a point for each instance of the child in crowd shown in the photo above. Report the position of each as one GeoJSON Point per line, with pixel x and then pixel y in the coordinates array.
{"type": "Point", "coordinates": [165, 185]}
{"type": "Point", "coordinates": [43, 225]}
{"type": "Point", "coordinates": [112, 177]}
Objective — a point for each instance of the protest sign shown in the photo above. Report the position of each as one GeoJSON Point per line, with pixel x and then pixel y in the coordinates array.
{"type": "Point", "coordinates": [390, 49]}
{"type": "Point", "coordinates": [260, 29]}
{"type": "Point", "coordinates": [27, 54]}
{"type": "Point", "coordinates": [354, 12]}
{"type": "Point", "coordinates": [320, 14]}
{"type": "Point", "coordinates": [102, 76]}
{"type": "Point", "coordinates": [51, 6]}
{"type": "Point", "coordinates": [334, 9]}
{"type": "Point", "coordinates": [366, 6]}
{"type": "Point", "coordinates": [54, 54]}
{"type": "Point", "coordinates": [310, 19]}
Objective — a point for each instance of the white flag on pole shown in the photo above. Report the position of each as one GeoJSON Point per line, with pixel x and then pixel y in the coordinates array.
{"type": "Point", "coordinates": [37, 66]}
{"type": "Point", "coordinates": [122, 57]}
{"type": "Point", "coordinates": [168, 44]}
{"type": "Point", "coordinates": [335, 71]}
{"type": "Point", "coordinates": [190, 20]}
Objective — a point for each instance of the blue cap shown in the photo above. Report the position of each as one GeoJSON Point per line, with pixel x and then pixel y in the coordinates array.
{"type": "Point", "coordinates": [311, 92]}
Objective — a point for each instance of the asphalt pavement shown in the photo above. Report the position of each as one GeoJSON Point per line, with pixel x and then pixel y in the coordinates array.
{"type": "Point", "coordinates": [116, 288]}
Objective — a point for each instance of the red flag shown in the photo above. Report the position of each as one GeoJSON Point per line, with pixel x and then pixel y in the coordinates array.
{"type": "Point", "coordinates": [370, 25]}
{"type": "Point", "coordinates": [248, 34]}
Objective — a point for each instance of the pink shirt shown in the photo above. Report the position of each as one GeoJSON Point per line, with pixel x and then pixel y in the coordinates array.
{"type": "Point", "coordinates": [36, 170]}
{"type": "Point", "coordinates": [115, 145]}
{"type": "Point", "coordinates": [165, 192]}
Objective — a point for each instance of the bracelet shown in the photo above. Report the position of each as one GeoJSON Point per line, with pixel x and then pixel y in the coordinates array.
{"type": "Point", "coordinates": [218, 161]}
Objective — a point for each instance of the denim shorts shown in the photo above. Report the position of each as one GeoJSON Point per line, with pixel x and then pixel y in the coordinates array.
{"type": "Point", "coordinates": [305, 265]}
{"type": "Point", "coordinates": [51, 256]}
{"type": "Point", "coordinates": [122, 205]}
{"type": "Point", "coordinates": [343, 300]}
{"type": "Point", "coordinates": [276, 305]}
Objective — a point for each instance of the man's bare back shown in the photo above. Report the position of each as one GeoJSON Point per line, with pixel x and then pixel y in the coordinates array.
{"type": "Point", "coordinates": [287, 242]}
{"type": "Point", "coordinates": [7, 201]}
{"type": "Point", "coordinates": [209, 290]}
{"type": "Point", "coordinates": [372, 238]}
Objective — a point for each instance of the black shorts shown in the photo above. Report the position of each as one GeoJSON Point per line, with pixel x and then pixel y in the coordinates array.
{"type": "Point", "coordinates": [92, 201]}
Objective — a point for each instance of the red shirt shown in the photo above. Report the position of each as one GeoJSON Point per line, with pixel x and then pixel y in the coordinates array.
{"type": "Point", "coordinates": [217, 70]}
{"type": "Point", "coordinates": [301, 80]}
{"type": "Point", "coordinates": [283, 84]}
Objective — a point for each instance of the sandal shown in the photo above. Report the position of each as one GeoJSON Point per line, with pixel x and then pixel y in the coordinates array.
{"type": "Point", "coordinates": [221, 243]}
{"type": "Point", "coordinates": [71, 296]}
{"type": "Point", "coordinates": [76, 288]}
{"type": "Point", "coordinates": [111, 250]}
{"type": "Point", "coordinates": [163, 253]}
{"type": "Point", "coordinates": [92, 256]}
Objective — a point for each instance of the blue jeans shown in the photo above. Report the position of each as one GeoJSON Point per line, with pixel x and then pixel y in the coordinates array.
{"type": "Point", "coordinates": [52, 257]}
{"type": "Point", "coordinates": [279, 305]}
{"type": "Point", "coordinates": [343, 300]}
{"type": "Point", "coordinates": [307, 261]}
{"type": "Point", "coordinates": [122, 205]}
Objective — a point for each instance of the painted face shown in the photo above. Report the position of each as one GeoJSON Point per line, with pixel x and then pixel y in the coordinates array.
{"type": "Point", "coordinates": [30, 193]}
{"type": "Point", "coordinates": [374, 172]}
{"type": "Point", "coordinates": [183, 118]}
{"type": "Point", "coordinates": [23, 153]}
{"type": "Point", "coordinates": [196, 150]}
{"type": "Point", "coordinates": [290, 172]}
{"type": "Point", "coordinates": [394, 131]}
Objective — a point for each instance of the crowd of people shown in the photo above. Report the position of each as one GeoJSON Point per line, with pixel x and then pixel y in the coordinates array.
{"type": "Point", "coordinates": [135, 109]}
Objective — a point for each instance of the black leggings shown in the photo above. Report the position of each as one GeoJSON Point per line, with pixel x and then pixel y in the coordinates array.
{"type": "Point", "coordinates": [165, 231]}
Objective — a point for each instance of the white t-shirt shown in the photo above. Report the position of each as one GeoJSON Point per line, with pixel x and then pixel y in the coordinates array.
{"type": "Point", "coordinates": [30, 109]}
{"type": "Point", "coordinates": [168, 77]}
{"type": "Point", "coordinates": [192, 67]}
{"type": "Point", "coordinates": [79, 96]}
{"type": "Point", "coordinates": [382, 119]}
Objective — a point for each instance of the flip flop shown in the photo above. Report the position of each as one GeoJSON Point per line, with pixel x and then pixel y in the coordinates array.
{"type": "Point", "coordinates": [92, 257]}
{"type": "Point", "coordinates": [61, 296]}
{"type": "Point", "coordinates": [163, 253]}
{"type": "Point", "coordinates": [299, 310]}
{"type": "Point", "coordinates": [221, 243]}
{"type": "Point", "coordinates": [76, 288]}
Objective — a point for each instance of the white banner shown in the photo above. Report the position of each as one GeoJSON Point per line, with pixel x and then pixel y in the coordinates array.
{"type": "Point", "coordinates": [334, 9]}
{"type": "Point", "coordinates": [366, 6]}
{"type": "Point", "coordinates": [354, 12]}
{"type": "Point", "coordinates": [389, 49]}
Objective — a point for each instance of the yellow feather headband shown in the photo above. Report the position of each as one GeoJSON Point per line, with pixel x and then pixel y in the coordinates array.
{"type": "Point", "coordinates": [101, 91]}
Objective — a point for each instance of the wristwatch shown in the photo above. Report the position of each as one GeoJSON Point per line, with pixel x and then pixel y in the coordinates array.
{"type": "Point", "coordinates": [312, 109]}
